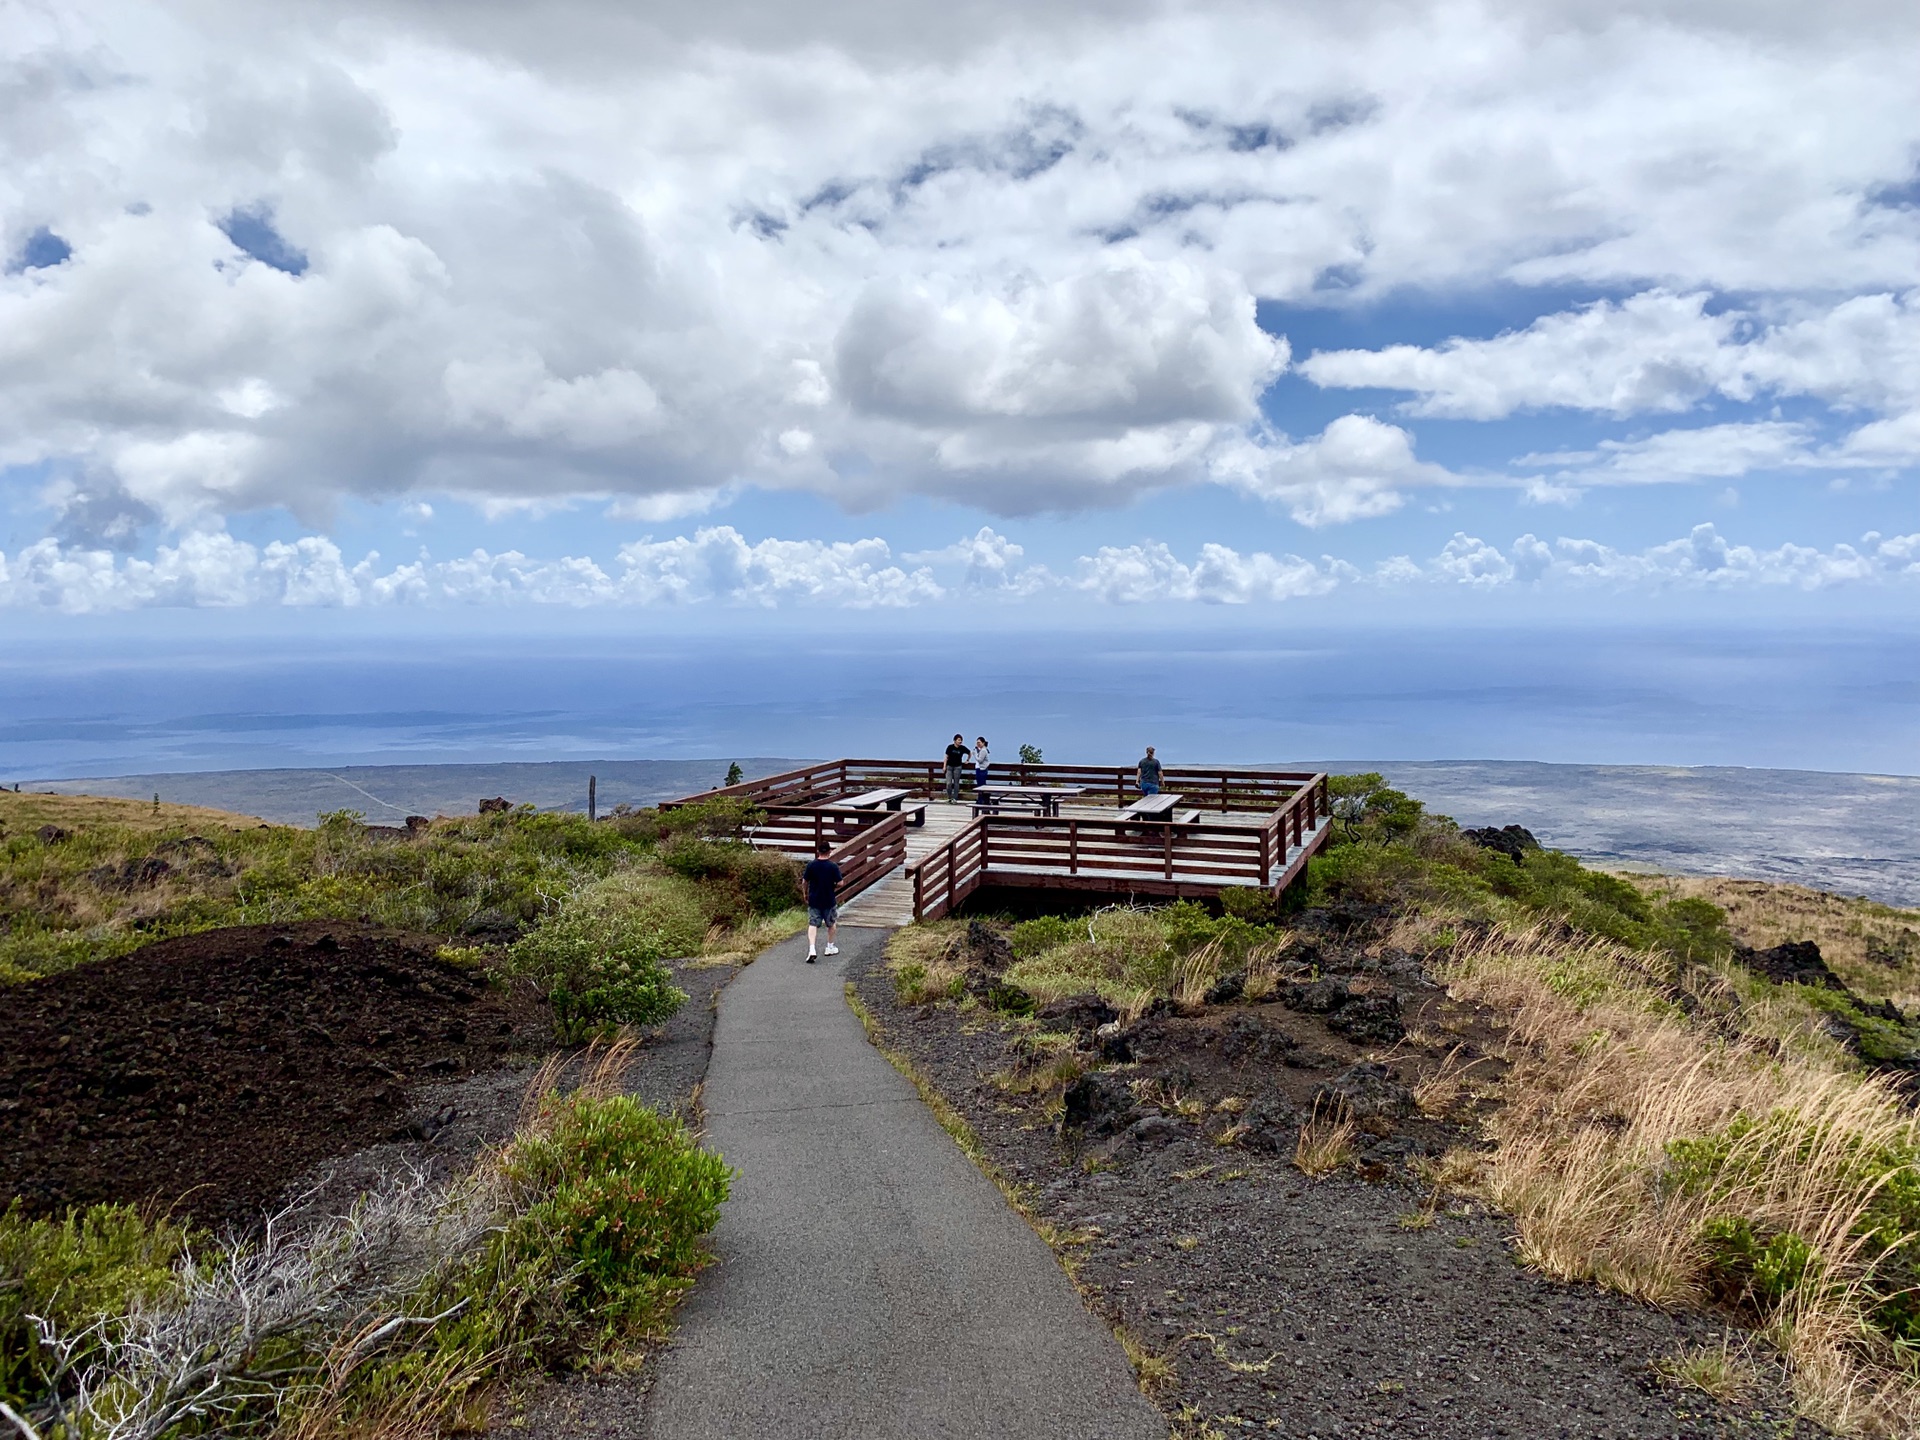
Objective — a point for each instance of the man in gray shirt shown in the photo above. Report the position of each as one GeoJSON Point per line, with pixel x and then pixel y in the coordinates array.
{"type": "Point", "coordinates": [1149, 774]}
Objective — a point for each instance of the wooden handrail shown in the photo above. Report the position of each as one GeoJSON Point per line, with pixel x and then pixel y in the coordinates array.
{"type": "Point", "coordinates": [1208, 787]}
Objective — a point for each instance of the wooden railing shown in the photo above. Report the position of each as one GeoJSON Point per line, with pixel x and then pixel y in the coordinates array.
{"type": "Point", "coordinates": [1200, 787]}
{"type": "Point", "coordinates": [1063, 850]}
{"type": "Point", "coordinates": [948, 875]}
{"type": "Point", "coordinates": [866, 845]}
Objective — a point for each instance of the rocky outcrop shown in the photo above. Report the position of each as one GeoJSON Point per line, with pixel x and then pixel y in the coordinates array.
{"type": "Point", "coordinates": [1513, 841]}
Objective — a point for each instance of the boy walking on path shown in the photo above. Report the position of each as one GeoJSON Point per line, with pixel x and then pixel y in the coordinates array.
{"type": "Point", "coordinates": [957, 757]}
{"type": "Point", "coordinates": [823, 905]}
{"type": "Point", "coordinates": [1149, 774]}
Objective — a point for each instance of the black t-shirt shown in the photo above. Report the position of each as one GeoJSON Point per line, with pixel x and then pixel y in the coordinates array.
{"type": "Point", "coordinates": [823, 882]}
{"type": "Point", "coordinates": [958, 754]}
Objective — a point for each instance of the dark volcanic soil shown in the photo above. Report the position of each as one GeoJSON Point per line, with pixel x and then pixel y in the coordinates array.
{"type": "Point", "coordinates": [1360, 1304]}
{"type": "Point", "coordinates": [210, 1071]}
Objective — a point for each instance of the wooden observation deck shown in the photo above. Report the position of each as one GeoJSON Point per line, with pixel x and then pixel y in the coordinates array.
{"type": "Point", "coordinates": [1232, 828]}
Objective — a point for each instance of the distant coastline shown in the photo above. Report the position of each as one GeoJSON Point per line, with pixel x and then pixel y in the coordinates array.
{"type": "Point", "coordinates": [1854, 834]}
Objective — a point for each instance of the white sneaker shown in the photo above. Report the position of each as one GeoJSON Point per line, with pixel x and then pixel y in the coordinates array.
{"type": "Point", "coordinates": [832, 950]}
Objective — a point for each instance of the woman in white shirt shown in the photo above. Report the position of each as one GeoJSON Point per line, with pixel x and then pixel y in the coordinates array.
{"type": "Point", "coordinates": [981, 760]}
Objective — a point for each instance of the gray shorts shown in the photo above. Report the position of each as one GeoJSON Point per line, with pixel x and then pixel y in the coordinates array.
{"type": "Point", "coordinates": [828, 916]}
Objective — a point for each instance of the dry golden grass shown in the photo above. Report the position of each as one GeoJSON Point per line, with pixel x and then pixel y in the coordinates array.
{"type": "Point", "coordinates": [918, 959]}
{"type": "Point", "coordinates": [1325, 1144]}
{"type": "Point", "coordinates": [24, 812]}
{"type": "Point", "coordinates": [1605, 1075]}
{"type": "Point", "coordinates": [1722, 1371]}
{"type": "Point", "coordinates": [738, 945]}
{"type": "Point", "coordinates": [1762, 913]}
{"type": "Point", "coordinates": [1153, 1370]}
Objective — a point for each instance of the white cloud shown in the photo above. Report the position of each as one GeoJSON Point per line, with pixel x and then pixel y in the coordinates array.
{"type": "Point", "coordinates": [991, 562]}
{"type": "Point", "coordinates": [1662, 352]}
{"type": "Point", "coordinates": [1356, 468]}
{"type": "Point", "coordinates": [1704, 559]}
{"type": "Point", "coordinates": [1656, 351]}
{"type": "Point", "coordinates": [720, 566]}
{"type": "Point", "coordinates": [1007, 253]}
{"type": "Point", "coordinates": [1139, 574]}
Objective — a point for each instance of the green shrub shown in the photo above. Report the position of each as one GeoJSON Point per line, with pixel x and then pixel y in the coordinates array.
{"type": "Point", "coordinates": [623, 1199]}
{"type": "Point", "coordinates": [739, 877]}
{"type": "Point", "coordinates": [1249, 903]}
{"type": "Point", "coordinates": [1752, 1269]}
{"type": "Point", "coordinates": [599, 957]}
{"type": "Point", "coordinates": [723, 817]}
{"type": "Point", "coordinates": [1032, 937]}
{"type": "Point", "coordinates": [88, 1265]}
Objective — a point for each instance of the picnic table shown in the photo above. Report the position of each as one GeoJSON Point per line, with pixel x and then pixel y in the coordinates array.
{"type": "Point", "coordinates": [1041, 799]}
{"type": "Point", "coordinates": [1152, 807]}
{"type": "Point", "coordinates": [888, 799]}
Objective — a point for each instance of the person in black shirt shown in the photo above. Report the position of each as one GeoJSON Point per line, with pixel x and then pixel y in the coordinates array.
{"type": "Point", "coordinates": [957, 758]}
{"type": "Point", "coordinates": [823, 904]}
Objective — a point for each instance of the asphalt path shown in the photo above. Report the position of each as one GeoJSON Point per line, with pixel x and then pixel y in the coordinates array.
{"type": "Point", "coordinates": [870, 1282]}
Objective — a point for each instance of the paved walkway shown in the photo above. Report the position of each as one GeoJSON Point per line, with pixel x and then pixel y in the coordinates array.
{"type": "Point", "coordinates": [871, 1282]}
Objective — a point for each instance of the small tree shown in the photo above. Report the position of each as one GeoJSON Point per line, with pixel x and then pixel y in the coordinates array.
{"type": "Point", "coordinates": [1030, 755]}
{"type": "Point", "coordinates": [735, 774]}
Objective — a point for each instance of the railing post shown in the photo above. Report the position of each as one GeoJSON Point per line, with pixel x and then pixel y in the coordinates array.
{"type": "Point", "coordinates": [1169, 845]}
{"type": "Point", "coordinates": [1073, 846]}
{"type": "Point", "coordinates": [1266, 862]}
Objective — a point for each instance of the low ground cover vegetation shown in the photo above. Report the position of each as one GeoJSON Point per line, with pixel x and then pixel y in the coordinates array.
{"type": "Point", "coordinates": [207, 1011]}
{"type": "Point", "coordinates": [1666, 1097]}
{"type": "Point", "coordinates": [86, 879]}
{"type": "Point", "coordinates": [405, 1314]}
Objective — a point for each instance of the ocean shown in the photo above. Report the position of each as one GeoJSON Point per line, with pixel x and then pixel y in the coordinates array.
{"type": "Point", "coordinates": [1741, 750]}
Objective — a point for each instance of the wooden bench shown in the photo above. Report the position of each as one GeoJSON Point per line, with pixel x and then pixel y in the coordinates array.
{"type": "Point", "coordinates": [887, 800]}
{"type": "Point", "coordinates": [992, 798]}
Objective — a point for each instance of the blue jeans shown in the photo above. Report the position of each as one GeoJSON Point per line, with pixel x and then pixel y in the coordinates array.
{"type": "Point", "coordinates": [1149, 787]}
{"type": "Point", "coordinates": [953, 782]}
{"type": "Point", "coordinates": [979, 776]}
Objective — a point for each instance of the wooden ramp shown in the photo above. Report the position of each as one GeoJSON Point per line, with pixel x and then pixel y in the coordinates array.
{"type": "Point", "coordinates": [889, 902]}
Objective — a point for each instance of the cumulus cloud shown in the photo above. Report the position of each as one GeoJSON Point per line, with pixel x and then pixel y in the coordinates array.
{"type": "Point", "coordinates": [1356, 468]}
{"type": "Point", "coordinates": [1656, 351]}
{"type": "Point", "coordinates": [1663, 352]}
{"type": "Point", "coordinates": [720, 566]}
{"type": "Point", "coordinates": [1009, 253]}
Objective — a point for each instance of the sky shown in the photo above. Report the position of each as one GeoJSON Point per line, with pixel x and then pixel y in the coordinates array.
{"type": "Point", "coordinates": [1111, 315]}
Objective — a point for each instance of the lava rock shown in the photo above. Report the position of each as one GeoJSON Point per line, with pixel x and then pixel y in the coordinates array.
{"type": "Point", "coordinates": [498, 805]}
{"type": "Point", "coordinates": [1096, 1105]}
{"type": "Point", "coordinates": [1317, 997]}
{"type": "Point", "coordinates": [417, 823]}
{"type": "Point", "coordinates": [1081, 1014]}
{"type": "Point", "coordinates": [1798, 962]}
{"type": "Point", "coordinates": [981, 947]}
{"type": "Point", "coordinates": [1262, 1127]}
{"type": "Point", "coordinates": [1368, 1018]}
{"type": "Point", "coordinates": [1364, 1090]}
{"type": "Point", "coordinates": [51, 834]}
{"type": "Point", "coordinates": [1227, 988]}
{"type": "Point", "coordinates": [1153, 1131]}
{"type": "Point", "coordinates": [1250, 1037]}
{"type": "Point", "coordinates": [1512, 841]}
{"type": "Point", "coordinates": [1113, 1043]}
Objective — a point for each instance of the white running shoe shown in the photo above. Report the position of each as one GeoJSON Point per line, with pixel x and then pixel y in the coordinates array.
{"type": "Point", "coordinates": [833, 950]}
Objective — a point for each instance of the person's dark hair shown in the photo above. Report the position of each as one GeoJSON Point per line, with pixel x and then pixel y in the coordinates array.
{"type": "Point", "coordinates": [959, 737]}
{"type": "Point", "coordinates": [980, 739]}
{"type": "Point", "coordinates": [822, 847]}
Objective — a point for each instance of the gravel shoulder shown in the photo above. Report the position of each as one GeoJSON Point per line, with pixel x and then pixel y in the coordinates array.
{"type": "Point", "coordinates": [1335, 1307]}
